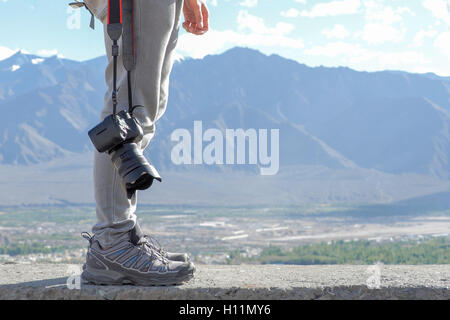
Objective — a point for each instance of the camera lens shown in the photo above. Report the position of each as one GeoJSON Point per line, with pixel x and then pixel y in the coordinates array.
{"type": "Point", "coordinates": [134, 169]}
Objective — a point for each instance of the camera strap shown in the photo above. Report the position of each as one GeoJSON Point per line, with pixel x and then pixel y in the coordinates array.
{"type": "Point", "coordinates": [121, 24]}
{"type": "Point", "coordinates": [128, 45]}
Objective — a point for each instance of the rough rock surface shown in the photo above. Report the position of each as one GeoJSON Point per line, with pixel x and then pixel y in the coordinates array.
{"type": "Point", "coordinates": [49, 281]}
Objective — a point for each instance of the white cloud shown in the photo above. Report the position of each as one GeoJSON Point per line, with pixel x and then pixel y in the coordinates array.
{"type": "Point", "coordinates": [249, 3]}
{"type": "Point", "coordinates": [336, 49]}
{"type": "Point", "coordinates": [383, 23]}
{"type": "Point", "coordinates": [338, 32]}
{"type": "Point", "coordinates": [290, 13]}
{"type": "Point", "coordinates": [403, 59]}
{"type": "Point", "coordinates": [15, 67]}
{"type": "Point", "coordinates": [256, 25]}
{"type": "Point", "coordinates": [333, 8]}
{"type": "Point", "coordinates": [421, 35]}
{"type": "Point", "coordinates": [359, 57]}
{"type": "Point", "coordinates": [252, 32]}
{"type": "Point", "coordinates": [439, 8]}
{"type": "Point", "coordinates": [214, 41]}
{"type": "Point", "coordinates": [378, 33]}
{"type": "Point", "coordinates": [378, 12]}
{"type": "Point", "coordinates": [442, 42]}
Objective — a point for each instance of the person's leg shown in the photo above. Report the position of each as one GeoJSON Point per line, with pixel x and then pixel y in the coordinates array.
{"type": "Point", "coordinates": [156, 31]}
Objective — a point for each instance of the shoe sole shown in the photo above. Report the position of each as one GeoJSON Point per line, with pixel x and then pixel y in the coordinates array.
{"type": "Point", "coordinates": [110, 277]}
{"type": "Point", "coordinates": [184, 260]}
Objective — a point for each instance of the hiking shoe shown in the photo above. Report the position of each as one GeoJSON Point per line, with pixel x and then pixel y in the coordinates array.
{"type": "Point", "coordinates": [138, 236]}
{"type": "Point", "coordinates": [154, 244]}
{"type": "Point", "coordinates": [130, 262]}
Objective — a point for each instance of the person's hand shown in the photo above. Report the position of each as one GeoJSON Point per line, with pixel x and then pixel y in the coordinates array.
{"type": "Point", "coordinates": [196, 17]}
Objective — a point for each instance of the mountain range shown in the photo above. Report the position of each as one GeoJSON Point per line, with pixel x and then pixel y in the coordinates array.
{"type": "Point", "coordinates": [344, 135]}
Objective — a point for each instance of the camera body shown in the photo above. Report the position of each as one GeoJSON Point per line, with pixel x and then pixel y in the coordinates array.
{"type": "Point", "coordinates": [114, 131]}
{"type": "Point", "coordinates": [119, 136]}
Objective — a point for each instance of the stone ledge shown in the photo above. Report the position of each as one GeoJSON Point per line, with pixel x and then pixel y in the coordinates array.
{"type": "Point", "coordinates": [48, 281]}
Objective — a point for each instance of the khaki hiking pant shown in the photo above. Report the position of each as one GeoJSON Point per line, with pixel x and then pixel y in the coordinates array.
{"type": "Point", "coordinates": [156, 32]}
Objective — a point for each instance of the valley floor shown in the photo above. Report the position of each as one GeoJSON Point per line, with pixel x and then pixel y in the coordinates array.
{"type": "Point", "coordinates": [218, 235]}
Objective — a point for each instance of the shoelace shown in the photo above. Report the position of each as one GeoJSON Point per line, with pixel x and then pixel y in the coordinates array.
{"type": "Point", "coordinates": [144, 245]}
{"type": "Point", "coordinates": [155, 245]}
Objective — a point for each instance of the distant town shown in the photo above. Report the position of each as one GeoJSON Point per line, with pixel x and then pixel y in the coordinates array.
{"type": "Point", "coordinates": [321, 234]}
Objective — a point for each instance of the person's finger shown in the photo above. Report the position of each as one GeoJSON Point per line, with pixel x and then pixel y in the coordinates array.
{"type": "Point", "coordinates": [205, 13]}
{"type": "Point", "coordinates": [198, 30]}
{"type": "Point", "coordinates": [186, 26]}
{"type": "Point", "coordinates": [198, 14]}
{"type": "Point", "coordinates": [192, 28]}
{"type": "Point", "coordinates": [195, 29]}
{"type": "Point", "coordinates": [189, 27]}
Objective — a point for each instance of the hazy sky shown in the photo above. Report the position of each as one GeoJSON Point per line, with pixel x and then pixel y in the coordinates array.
{"type": "Point", "coordinates": [411, 35]}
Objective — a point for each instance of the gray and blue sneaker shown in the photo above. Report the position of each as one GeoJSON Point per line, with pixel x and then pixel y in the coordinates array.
{"type": "Point", "coordinates": [155, 245]}
{"type": "Point", "coordinates": [138, 236]}
{"type": "Point", "coordinates": [131, 262]}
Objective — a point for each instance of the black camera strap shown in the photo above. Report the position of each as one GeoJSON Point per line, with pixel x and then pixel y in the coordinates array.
{"type": "Point", "coordinates": [121, 24]}
{"type": "Point", "coordinates": [128, 45]}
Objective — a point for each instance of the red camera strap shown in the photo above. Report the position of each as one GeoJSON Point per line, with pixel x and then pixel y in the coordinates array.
{"type": "Point", "coordinates": [121, 24]}
{"type": "Point", "coordinates": [114, 11]}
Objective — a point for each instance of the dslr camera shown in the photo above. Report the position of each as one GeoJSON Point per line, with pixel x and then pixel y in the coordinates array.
{"type": "Point", "coordinates": [119, 135]}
